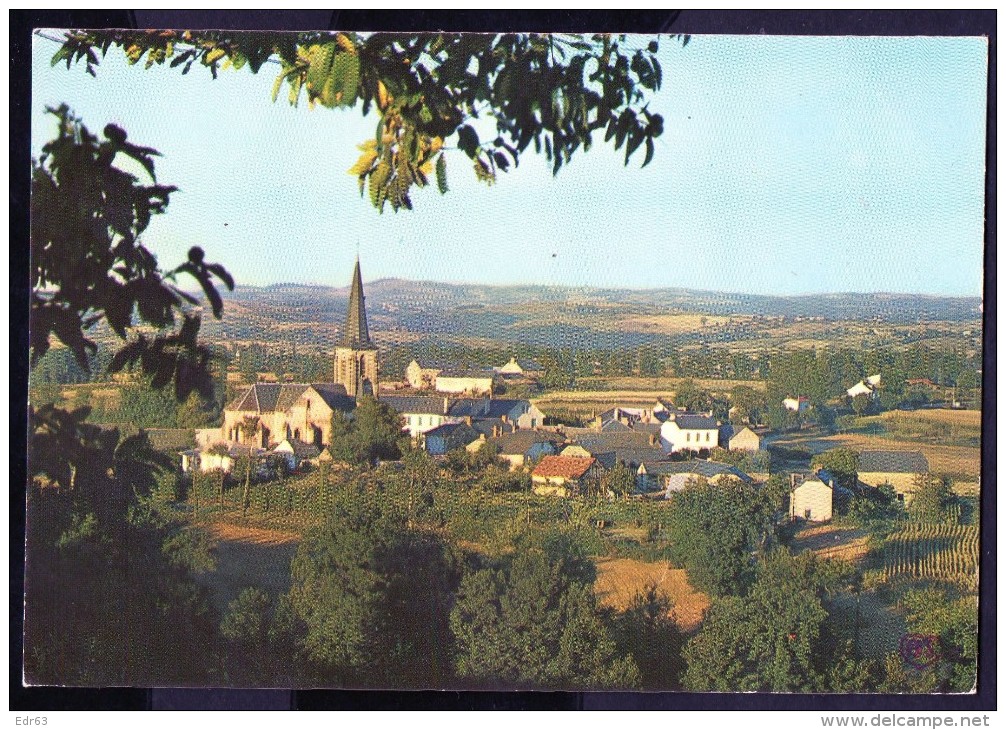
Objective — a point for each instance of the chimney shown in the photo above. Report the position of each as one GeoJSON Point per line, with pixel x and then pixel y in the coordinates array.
{"type": "Point", "coordinates": [496, 431]}
{"type": "Point", "coordinates": [653, 439]}
{"type": "Point", "coordinates": [505, 418]}
{"type": "Point", "coordinates": [468, 420]}
{"type": "Point", "coordinates": [447, 404]}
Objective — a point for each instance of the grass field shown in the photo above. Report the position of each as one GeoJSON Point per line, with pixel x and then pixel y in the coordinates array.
{"type": "Point", "coordinates": [247, 557]}
{"type": "Point", "coordinates": [831, 541]}
{"type": "Point", "coordinates": [619, 579]}
{"type": "Point", "coordinates": [938, 426]}
{"type": "Point", "coordinates": [962, 461]}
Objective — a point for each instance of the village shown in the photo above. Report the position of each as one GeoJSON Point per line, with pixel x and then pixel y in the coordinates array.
{"type": "Point", "coordinates": [444, 407]}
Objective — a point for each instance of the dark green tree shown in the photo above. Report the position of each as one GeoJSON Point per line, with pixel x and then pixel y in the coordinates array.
{"type": "Point", "coordinates": [530, 621]}
{"type": "Point", "coordinates": [647, 632]}
{"type": "Point", "coordinates": [374, 597]}
{"type": "Point", "coordinates": [90, 265]}
{"type": "Point", "coordinates": [842, 464]}
{"type": "Point", "coordinates": [716, 531]}
{"type": "Point", "coordinates": [933, 498]}
{"type": "Point", "coordinates": [775, 639]}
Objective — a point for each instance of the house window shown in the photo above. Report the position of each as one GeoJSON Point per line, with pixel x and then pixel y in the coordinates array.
{"type": "Point", "coordinates": [707, 436]}
{"type": "Point", "coordinates": [688, 437]}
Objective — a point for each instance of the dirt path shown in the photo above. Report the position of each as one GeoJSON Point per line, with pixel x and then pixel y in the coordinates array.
{"type": "Point", "coordinates": [248, 557]}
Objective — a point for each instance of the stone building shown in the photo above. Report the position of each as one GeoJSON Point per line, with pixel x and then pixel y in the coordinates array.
{"type": "Point", "coordinates": [356, 355]}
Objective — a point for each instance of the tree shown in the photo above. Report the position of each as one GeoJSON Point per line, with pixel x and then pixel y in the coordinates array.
{"type": "Point", "coordinates": [933, 498]}
{"type": "Point", "coordinates": [691, 397]}
{"type": "Point", "coordinates": [89, 265]}
{"type": "Point", "coordinates": [428, 89]}
{"type": "Point", "coordinates": [249, 426]}
{"type": "Point", "coordinates": [842, 464]}
{"type": "Point", "coordinates": [861, 404]}
{"type": "Point", "coordinates": [530, 621]}
{"type": "Point", "coordinates": [373, 433]}
{"type": "Point", "coordinates": [775, 639]}
{"type": "Point", "coordinates": [715, 531]}
{"type": "Point", "coordinates": [953, 619]}
{"type": "Point", "coordinates": [748, 404]}
{"type": "Point", "coordinates": [646, 631]}
{"type": "Point", "coordinates": [374, 597]}
{"type": "Point", "coordinates": [618, 481]}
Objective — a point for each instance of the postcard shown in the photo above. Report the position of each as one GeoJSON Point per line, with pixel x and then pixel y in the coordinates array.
{"type": "Point", "coordinates": [505, 361]}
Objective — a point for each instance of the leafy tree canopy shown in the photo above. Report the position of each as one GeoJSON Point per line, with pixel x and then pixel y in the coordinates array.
{"type": "Point", "coordinates": [716, 530]}
{"type": "Point", "coordinates": [842, 464]}
{"type": "Point", "coordinates": [531, 621]}
{"type": "Point", "coordinates": [775, 638]}
{"type": "Point", "coordinates": [428, 89]}
{"type": "Point", "coordinates": [372, 433]}
{"type": "Point", "coordinates": [89, 265]}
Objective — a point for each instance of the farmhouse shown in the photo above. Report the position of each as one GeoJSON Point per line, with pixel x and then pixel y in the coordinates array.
{"type": "Point", "coordinates": [468, 382]}
{"type": "Point", "coordinates": [689, 432]}
{"type": "Point", "coordinates": [897, 468]}
{"type": "Point", "coordinates": [565, 476]}
{"type": "Point", "coordinates": [422, 377]}
{"type": "Point", "coordinates": [867, 386]}
{"type": "Point", "coordinates": [521, 447]}
{"type": "Point", "coordinates": [812, 500]}
{"type": "Point", "coordinates": [673, 476]}
{"type": "Point", "coordinates": [296, 453]}
{"type": "Point", "coordinates": [448, 437]}
{"type": "Point", "coordinates": [521, 369]}
{"type": "Point", "coordinates": [420, 413]}
{"type": "Point", "coordinates": [744, 440]}
{"type": "Point", "coordinates": [798, 404]}
{"type": "Point", "coordinates": [522, 413]}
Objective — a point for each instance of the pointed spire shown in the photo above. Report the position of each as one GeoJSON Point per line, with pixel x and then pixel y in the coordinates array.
{"type": "Point", "coordinates": [356, 332]}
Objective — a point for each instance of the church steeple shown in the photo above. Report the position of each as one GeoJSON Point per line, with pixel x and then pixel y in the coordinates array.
{"type": "Point", "coordinates": [356, 365]}
{"type": "Point", "coordinates": [356, 332]}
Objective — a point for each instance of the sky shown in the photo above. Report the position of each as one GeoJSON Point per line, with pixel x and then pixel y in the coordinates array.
{"type": "Point", "coordinates": [788, 165]}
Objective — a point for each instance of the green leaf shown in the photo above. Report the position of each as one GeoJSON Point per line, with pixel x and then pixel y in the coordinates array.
{"type": "Point", "coordinates": [468, 140]}
{"type": "Point", "coordinates": [649, 151]}
{"type": "Point", "coordinates": [442, 174]}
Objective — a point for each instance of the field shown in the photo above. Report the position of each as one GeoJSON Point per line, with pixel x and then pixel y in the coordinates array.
{"type": "Point", "coordinates": [964, 462]}
{"type": "Point", "coordinates": [938, 426]}
{"type": "Point", "coordinates": [619, 579]}
{"type": "Point", "coordinates": [832, 541]}
{"type": "Point", "coordinates": [926, 551]}
{"type": "Point", "coordinates": [246, 557]}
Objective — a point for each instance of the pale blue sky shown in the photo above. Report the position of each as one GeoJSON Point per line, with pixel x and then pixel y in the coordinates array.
{"type": "Point", "coordinates": [788, 165]}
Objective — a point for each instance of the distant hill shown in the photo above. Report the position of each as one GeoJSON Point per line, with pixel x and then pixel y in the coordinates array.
{"type": "Point", "coordinates": [550, 315]}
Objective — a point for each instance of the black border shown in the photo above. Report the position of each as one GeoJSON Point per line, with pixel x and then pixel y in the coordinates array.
{"type": "Point", "coordinates": [859, 22]}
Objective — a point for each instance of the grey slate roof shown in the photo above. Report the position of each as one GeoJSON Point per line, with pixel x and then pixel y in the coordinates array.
{"type": "Point", "coordinates": [268, 397]}
{"type": "Point", "coordinates": [489, 426]}
{"type": "Point", "coordinates": [483, 407]}
{"type": "Point", "coordinates": [893, 462]}
{"type": "Point", "coordinates": [335, 396]}
{"type": "Point", "coordinates": [415, 403]}
{"type": "Point", "coordinates": [520, 442]}
{"type": "Point", "coordinates": [356, 333]}
{"type": "Point", "coordinates": [694, 421]}
{"type": "Point", "coordinates": [612, 440]}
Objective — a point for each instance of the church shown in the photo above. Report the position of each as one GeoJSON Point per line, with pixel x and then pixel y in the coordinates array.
{"type": "Point", "coordinates": [266, 414]}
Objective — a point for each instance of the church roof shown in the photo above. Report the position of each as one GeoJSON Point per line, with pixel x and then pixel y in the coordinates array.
{"type": "Point", "coordinates": [269, 397]}
{"type": "Point", "coordinates": [356, 334]}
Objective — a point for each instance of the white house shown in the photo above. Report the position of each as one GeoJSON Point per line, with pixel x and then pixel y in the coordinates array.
{"type": "Point", "coordinates": [798, 404]}
{"type": "Point", "coordinates": [420, 413]}
{"type": "Point", "coordinates": [689, 432]}
{"type": "Point", "coordinates": [812, 500]}
{"type": "Point", "coordinates": [867, 386]}
{"type": "Point", "coordinates": [296, 453]}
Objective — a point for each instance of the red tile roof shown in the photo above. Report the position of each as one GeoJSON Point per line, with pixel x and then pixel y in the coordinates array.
{"type": "Point", "coordinates": [567, 467]}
